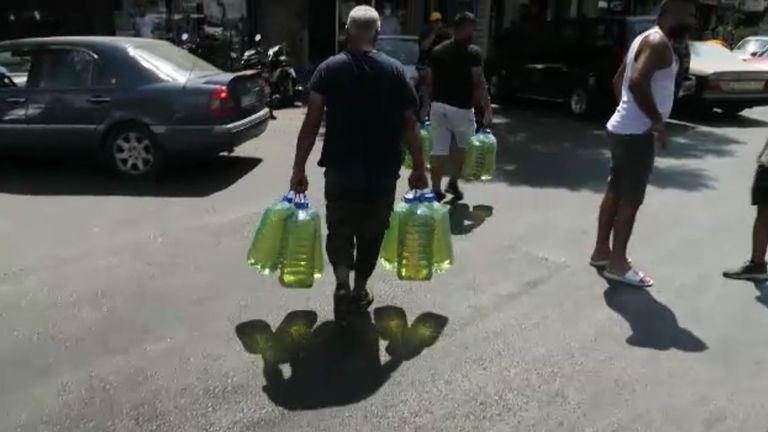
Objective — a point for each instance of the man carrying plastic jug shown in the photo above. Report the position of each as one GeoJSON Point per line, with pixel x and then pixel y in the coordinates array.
{"type": "Point", "coordinates": [454, 85]}
{"type": "Point", "coordinates": [370, 107]}
{"type": "Point", "coordinates": [645, 87]}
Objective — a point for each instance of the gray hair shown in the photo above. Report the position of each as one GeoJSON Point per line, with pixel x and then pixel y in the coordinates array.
{"type": "Point", "coordinates": [364, 19]}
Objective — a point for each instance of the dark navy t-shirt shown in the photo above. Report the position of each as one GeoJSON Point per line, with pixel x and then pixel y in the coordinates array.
{"type": "Point", "coordinates": [366, 95]}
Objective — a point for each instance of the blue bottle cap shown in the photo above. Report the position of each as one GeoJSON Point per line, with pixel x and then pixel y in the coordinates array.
{"type": "Point", "coordinates": [288, 197]}
{"type": "Point", "coordinates": [410, 198]}
{"type": "Point", "coordinates": [301, 205]}
{"type": "Point", "coordinates": [428, 197]}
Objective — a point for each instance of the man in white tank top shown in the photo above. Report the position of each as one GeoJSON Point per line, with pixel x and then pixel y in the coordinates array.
{"type": "Point", "coordinates": [645, 87]}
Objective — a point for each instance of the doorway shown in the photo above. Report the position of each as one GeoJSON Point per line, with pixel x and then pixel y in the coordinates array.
{"type": "Point", "coordinates": [322, 30]}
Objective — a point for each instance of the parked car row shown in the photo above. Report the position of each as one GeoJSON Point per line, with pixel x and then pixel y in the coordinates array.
{"type": "Point", "coordinates": [134, 101]}
{"type": "Point", "coordinates": [573, 62]}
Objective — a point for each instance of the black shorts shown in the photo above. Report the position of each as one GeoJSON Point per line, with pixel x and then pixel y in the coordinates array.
{"type": "Point", "coordinates": [760, 187]}
{"type": "Point", "coordinates": [631, 165]}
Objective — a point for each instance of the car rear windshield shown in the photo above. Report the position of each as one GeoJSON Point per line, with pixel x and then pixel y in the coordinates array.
{"type": "Point", "coordinates": [170, 62]}
{"type": "Point", "coordinates": [752, 45]}
{"type": "Point", "coordinates": [712, 52]}
{"type": "Point", "coordinates": [406, 51]}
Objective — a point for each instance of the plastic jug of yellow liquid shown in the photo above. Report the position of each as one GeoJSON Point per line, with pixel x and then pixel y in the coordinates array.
{"type": "Point", "coordinates": [415, 242]}
{"type": "Point", "coordinates": [426, 143]}
{"type": "Point", "coordinates": [388, 256]}
{"type": "Point", "coordinates": [264, 253]}
{"type": "Point", "coordinates": [490, 146]}
{"type": "Point", "coordinates": [480, 157]}
{"type": "Point", "coordinates": [442, 252]}
{"type": "Point", "coordinates": [301, 247]}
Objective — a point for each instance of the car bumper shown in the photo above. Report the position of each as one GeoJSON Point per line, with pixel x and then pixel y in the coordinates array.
{"type": "Point", "coordinates": [732, 99]}
{"type": "Point", "coordinates": [212, 139]}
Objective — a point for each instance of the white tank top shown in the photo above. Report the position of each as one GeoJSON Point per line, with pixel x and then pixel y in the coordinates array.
{"type": "Point", "coordinates": [629, 119]}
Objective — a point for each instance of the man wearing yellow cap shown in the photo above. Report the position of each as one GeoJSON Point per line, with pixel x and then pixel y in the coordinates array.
{"type": "Point", "coordinates": [432, 36]}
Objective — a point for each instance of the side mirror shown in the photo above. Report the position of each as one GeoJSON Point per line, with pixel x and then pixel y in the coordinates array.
{"type": "Point", "coordinates": [753, 54]}
{"type": "Point", "coordinates": [257, 38]}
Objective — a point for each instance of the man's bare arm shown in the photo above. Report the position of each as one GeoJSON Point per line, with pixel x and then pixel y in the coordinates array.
{"type": "Point", "coordinates": [480, 92]}
{"type": "Point", "coordinates": [306, 141]}
{"type": "Point", "coordinates": [309, 130]}
{"type": "Point", "coordinates": [418, 178]}
{"type": "Point", "coordinates": [426, 42]}
{"type": "Point", "coordinates": [653, 54]}
{"type": "Point", "coordinates": [413, 140]}
{"type": "Point", "coordinates": [618, 80]}
{"type": "Point", "coordinates": [426, 93]}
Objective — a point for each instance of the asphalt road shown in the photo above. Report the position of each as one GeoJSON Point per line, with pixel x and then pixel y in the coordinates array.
{"type": "Point", "coordinates": [119, 303]}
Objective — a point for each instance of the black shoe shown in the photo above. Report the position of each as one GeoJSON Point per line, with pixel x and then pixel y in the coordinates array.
{"type": "Point", "coordinates": [453, 189]}
{"type": "Point", "coordinates": [363, 298]}
{"type": "Point", "coordinates": [342, 302]}
{"type": "Point", "coordinates": [749, 271]}
{"type": "Point", "coordinates": [439, 195]}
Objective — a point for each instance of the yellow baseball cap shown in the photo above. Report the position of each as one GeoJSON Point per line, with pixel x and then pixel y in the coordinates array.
{"type": "Point", "coordinates": [435, 16]}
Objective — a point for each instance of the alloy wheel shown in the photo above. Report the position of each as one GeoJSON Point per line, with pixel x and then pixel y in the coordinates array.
{"type": "Point", "coordinates": [133, 153]}
{"type": "Point", "coordinates": [579, 101]}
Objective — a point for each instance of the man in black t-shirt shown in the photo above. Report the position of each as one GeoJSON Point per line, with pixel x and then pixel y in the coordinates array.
{"type": "Point", "coordinates": [370, 107]}
{"type": "Point", "coordinates": [455, 85]}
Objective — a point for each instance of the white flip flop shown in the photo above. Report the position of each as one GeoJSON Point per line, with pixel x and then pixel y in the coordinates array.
{"type": "Point", "coordinates": [632, 278]}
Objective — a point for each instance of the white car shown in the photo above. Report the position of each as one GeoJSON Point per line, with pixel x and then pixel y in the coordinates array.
{"type": "Point", "coordinates": [719, 79]}
{"type": "Point", "coordinates": [749, 47]}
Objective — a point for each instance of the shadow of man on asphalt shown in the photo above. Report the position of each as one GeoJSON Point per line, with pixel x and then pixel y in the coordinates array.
{"type": "Point", "coordinates": [762, 290]}
{"type": "Point", "coordinates": [335, 363]}
{"type": "Point", "coordinates": [465, 220]}
{"type": "Point", "coordinates": [653, 324]}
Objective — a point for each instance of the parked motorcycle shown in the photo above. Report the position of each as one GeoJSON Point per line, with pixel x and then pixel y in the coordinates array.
{"type": "Point", "coordinates": [275, 66]}
{"type": "Point", "coordinates": [210, 48]}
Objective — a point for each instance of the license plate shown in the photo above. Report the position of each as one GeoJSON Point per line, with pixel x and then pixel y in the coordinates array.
{"type": "Point", "coordinates": [248, 99]}
{"type": "Point", "coordinates": [743, 86]}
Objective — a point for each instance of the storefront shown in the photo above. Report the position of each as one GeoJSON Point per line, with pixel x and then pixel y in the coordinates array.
{"type": "Point", "coordinates": [29, 18]}
{"type": "Point", "coordinates": [409, 17]}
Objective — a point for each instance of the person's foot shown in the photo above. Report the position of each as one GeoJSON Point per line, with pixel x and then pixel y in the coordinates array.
{"type": "Point", "coordinates": [601, 256]}
{"type": "Point", "coordinates": [439, 195]}
{"type": "Point", "coordinates": [362, 297]}
{"type": "Point", "coordinates": [453, 189]}
{"type": "Point", "coordinates": [748, 271]}
{"type": "Point", "coordinates": [342, 301]}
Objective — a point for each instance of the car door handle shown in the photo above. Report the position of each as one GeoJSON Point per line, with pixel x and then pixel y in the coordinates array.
{"type": "Point", "coordinates": [16, 100]}
{"type": "Point", "coordinates": [99, 100]}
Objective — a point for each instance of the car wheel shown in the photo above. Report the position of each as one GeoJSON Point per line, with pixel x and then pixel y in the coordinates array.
{"type": "Point", "coordinates": [131, 151]}
{"type": "Point", "coordinates": [578, 102]}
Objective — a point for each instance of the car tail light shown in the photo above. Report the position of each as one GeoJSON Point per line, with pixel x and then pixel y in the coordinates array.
{"type": "Point", "coordinates": [712, 84]}
{"type": "Point", "coordinates": [221, 102]}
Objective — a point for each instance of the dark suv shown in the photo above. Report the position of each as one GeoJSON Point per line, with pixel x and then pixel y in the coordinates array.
{"type": "Point", "coordinates": [571, 61]}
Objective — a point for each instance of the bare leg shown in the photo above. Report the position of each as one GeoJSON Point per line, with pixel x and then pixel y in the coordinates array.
{"type": "Point", "coordinates": [760, 235]}
{"type": "Point", "coordinates": [622, 231]}
{"type": "Point", "coordinates": [605, 222]}
{"type": "Point", "coordinates": [436, 172]}
{"type": "Point", "coordinates": [457, 162]}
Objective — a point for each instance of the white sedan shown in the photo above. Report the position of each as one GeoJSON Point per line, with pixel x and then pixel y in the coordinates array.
{"type": "Point", "coordinates": [719, 79]}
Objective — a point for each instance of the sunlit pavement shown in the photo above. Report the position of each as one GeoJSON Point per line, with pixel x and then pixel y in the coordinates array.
{"type": "Point", "coordinates": [130, 308]}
